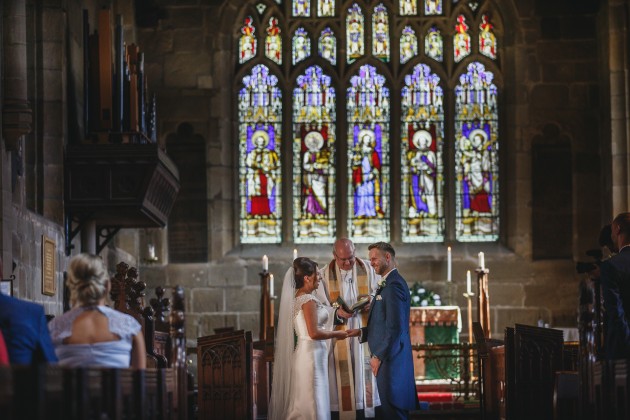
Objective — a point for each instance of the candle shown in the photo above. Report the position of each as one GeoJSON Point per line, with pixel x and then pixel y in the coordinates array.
{"type": "Point", "coordinates": [265, 262]}
{"type": "Point", "coordinates": [482, 264]}
{"type": "Point", "coordinates": [449, 271]}
{"type": "Point", "coordinates": [270, 284]}
{"type": "Point", "coordinates": [295, 254]}
{"type": "Point", "coordinates": [468, 283]}
{"type": "Point", "coordinates": [151, 251]}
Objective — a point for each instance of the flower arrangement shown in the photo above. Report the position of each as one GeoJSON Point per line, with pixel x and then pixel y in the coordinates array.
{"type": "Point", "coordinates": [420, 296]}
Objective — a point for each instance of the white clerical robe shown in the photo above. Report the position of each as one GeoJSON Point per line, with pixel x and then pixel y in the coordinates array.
{"type": "Point", "coordinates": [349, 291]}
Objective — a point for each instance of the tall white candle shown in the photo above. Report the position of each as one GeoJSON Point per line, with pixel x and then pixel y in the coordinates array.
{"type": "Point", "coordinates": [449, 265]}
{"type": "Point", "coordinates": [468, 283]}
{"type": "Point", "coordinates": [271, 285]}
{"type": "Point", "coordinates": [265, 262]}
{"type": "Point", "coordinates": [482, 263]}
{"type": "Point", "coordinates": [295, 254]}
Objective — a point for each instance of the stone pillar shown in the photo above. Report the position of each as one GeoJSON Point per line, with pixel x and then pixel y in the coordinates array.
{"type": "Point", "coordinates": [16, 112]}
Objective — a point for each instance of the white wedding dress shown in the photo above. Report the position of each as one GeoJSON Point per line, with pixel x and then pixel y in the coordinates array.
{"type": "Point", "coordinates": [310, 397]}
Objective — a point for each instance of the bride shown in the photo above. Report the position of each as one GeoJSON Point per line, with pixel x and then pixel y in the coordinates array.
{"type": "Point", "coordinates": [300, 372]}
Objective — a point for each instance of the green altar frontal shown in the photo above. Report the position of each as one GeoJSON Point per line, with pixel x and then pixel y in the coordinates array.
{"type": "Point", "coordinates": [433, 325]}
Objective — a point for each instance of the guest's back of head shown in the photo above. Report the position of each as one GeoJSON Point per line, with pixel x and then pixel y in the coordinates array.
{"type": "Point", "coordinates": [87, 279]}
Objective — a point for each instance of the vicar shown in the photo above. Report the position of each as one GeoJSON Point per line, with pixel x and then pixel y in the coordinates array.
{"type": "Point", "coordinates": [350, 278]}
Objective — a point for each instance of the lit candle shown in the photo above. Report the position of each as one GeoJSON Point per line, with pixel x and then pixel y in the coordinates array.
{"type": "Point", "coordinates": [265, 261]}
{"type": "Point", "coordinates": [468, 283]}
{"type": "Point", "coordinates": [270, 284]}
{"type": "Point", "coordinates": [449, 271]}
{"type": "Point", "coordinates": [295, 254]}
{"type": "Point", "coordinates": [482, 264]}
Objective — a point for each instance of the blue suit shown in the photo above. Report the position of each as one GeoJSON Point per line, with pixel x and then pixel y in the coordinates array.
{"type": "Point", "coordinates": [25, 332]}
{"type": "Point", "coordinates": [387, 334]}
{"type": "Point", "coordinates": [615, 278]}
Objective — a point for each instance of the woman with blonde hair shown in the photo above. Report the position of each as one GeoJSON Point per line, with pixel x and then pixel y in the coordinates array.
{"type": "Point", "coordinates": [92, 334]}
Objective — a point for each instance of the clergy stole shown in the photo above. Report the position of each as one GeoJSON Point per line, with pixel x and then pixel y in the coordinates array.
{"type": "Point", "coordinates": [343, 356]}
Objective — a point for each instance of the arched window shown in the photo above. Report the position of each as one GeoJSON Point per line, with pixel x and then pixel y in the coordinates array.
{"type": "Point", "coordinates": [371, 110]}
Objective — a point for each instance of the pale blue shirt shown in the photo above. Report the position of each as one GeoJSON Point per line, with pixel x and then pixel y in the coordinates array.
{"type": "Point", "coordinates": [115, 354]}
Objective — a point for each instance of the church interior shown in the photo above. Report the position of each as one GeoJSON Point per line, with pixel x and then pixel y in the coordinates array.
{"type": "Point", "coordinates": [200, 146]}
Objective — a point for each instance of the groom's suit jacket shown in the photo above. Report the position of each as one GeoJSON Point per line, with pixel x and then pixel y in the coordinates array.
{"type": "Point", "coordinates": [387, 334]}
{"type": "Point", "coordinates": [615, 280]}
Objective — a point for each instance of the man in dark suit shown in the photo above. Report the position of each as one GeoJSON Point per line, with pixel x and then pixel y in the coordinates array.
{"type": "Point", "coordinates": [615, 281]}
{"type": "Point", "coordinates": [25, 332]}
{"type": "Point", "coordinates": [387, 335]}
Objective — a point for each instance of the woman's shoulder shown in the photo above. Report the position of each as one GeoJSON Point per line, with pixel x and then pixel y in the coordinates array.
{"type": "Point", "coordinates": [119, 322]}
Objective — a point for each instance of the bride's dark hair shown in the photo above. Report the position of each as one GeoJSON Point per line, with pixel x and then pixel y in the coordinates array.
{"type": "Point", "coordinates": [303, 266]}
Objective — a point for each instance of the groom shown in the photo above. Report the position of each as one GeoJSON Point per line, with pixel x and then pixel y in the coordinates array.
{"type": "Point", "coordinates": [387, 335]}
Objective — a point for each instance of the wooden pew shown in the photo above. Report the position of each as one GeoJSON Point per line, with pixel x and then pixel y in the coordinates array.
{"type": "Point", "coordinates": [227, 365]}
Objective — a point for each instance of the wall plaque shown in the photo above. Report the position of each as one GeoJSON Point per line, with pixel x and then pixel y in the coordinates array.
{"type": "Point", "coordinates": [48, 266]}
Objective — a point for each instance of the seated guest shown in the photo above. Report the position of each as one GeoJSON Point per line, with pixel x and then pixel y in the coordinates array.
{"type": "Point", "coordinates": [92, 334]}
{"type": "Point", "coordinates": [25, 331]}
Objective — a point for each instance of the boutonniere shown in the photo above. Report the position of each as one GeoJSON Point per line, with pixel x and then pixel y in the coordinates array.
{"type": "Point", "coordinates": [381, 285]}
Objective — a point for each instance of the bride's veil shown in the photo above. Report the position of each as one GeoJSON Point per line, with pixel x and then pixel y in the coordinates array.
{"type": "Point", "coordinates": [283, 351]}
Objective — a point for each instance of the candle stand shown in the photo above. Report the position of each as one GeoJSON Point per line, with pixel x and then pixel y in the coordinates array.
{"type": "Point", "coordinates": [483, 301]}
{"type": "Point", "coordinates": [266, 305]}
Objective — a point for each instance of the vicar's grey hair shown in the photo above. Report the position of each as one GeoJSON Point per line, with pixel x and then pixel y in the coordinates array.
{"type": "Point", "coordinates": [383, 246]}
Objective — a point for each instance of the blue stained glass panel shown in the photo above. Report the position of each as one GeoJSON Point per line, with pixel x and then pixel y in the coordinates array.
{"type": "Point", "coordinates": [422, 100]}
{"type": "Point", "coordinates": [260, 134]}
{"type": "Point", "coordinates": [476, 155]}
{"type": "Point", "coordinates": [367, 106]}
{"type": "Point", "coordinates": [314, 145]}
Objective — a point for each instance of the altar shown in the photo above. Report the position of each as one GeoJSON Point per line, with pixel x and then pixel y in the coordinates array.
{"type": "Point", "coordinates": [433, 325]}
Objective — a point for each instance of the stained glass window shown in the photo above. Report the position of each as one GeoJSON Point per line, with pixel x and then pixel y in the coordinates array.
{"type": "Point", "coordinates": [328, 46]}
{"type": "Point", "coordinates": [368, 155]}
{"type": "Point", "coordinates": [325, 8]}
{"type": "Point", "coordinates": [476, 155]}
{"type": "Point", "coordinates": [461, 40]}
{"type": "Point", "coordinates": [273, 42]}
{"type": "Point", "coordinates": [422, 141]}
{"type": "Point", "coordinates": [434, 44]}
{"type": "Point", "coordinates": [260, 116]}
{"type": "Point", "coordinates": [487, 39]}
{"type": "Point", "coordinates": [314, 144]}
{"type": "Point", "coordinates": [247, 42]}
{"type": "Point", "coordinates": [408, 7]}
{"type": "Point", "coordinates": [441, 152]}
{"type": "Point", "coordinates": [432, 7]}
{"type": "Point", "coordinates": [301, 8]}
{"type": "Point", "coordinates": [355, 31]}
{"type": "Point", "coordinates": [408, 44]}
{"type": "Point", "coordinates": [380, 37]}
{"type": "Point", "coordinates": [301, 45]}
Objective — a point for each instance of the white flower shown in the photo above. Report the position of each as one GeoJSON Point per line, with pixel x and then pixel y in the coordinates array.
{"type": "Point", "coordinates": [424, 303]}
{"type": "Point", "coordinates": [421, 291]}
{"type": "Point", "coordinates": [437, 297]}
{"type": "Point", "coordinates": [415, 298]}
{"type": "Point", "coordinates": [438, 302]}
{"type": "Point", "coordinates": [382, 283]}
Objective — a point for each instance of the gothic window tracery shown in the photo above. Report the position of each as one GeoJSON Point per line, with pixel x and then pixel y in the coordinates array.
{"type": "Point", "coordinates": [433, 167]}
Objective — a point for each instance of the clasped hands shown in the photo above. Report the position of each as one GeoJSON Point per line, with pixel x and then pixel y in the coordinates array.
{"type": "Point", "coordinates": [343, 334]}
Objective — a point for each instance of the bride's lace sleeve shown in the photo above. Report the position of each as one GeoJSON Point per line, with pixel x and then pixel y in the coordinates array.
{"type": "Point", "coordinates": [301, 300]}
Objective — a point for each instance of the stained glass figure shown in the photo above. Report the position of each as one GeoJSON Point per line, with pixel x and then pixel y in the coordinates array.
{"type": "Point", "coordinates": [260, 123]}
{"type": "Point", "coordinates": [422, 157]}
{"type": "Point", "coordinates": [328, 46]}
{"type": "Point", "coordinates": [408, 44]}
{"type": "Point", "coordinates": [434, 44]}
{"type": "Point", "coordinates": [432, 7]}
{"type": "Point", "coordinates": [408, 7]}
{"type": "Point", "coordinates": [314, 143]}
{"type": "Point", "coordinates": [247, 43]}
{"type": "Point", "coordinates": [325, 8]}
{"type": "Point", "coordinates": [355, 33]}
{"type": "Point", "coordinates": [273, 41]}
{"type": "Point", "coordinates": [487, 38]}
{"type": "Point", "coordinates": [302, 8]}
{"type": "Point", "coordinates": [461, 39]}
{"type": "Point", "coordinates": [476, 155]}
{"type": "Point", "coordinates": [380, 37]}
{"type": "Point", "coordinates": [368, 103]}
{"type": "Point", "coordinates": [301, 45]}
